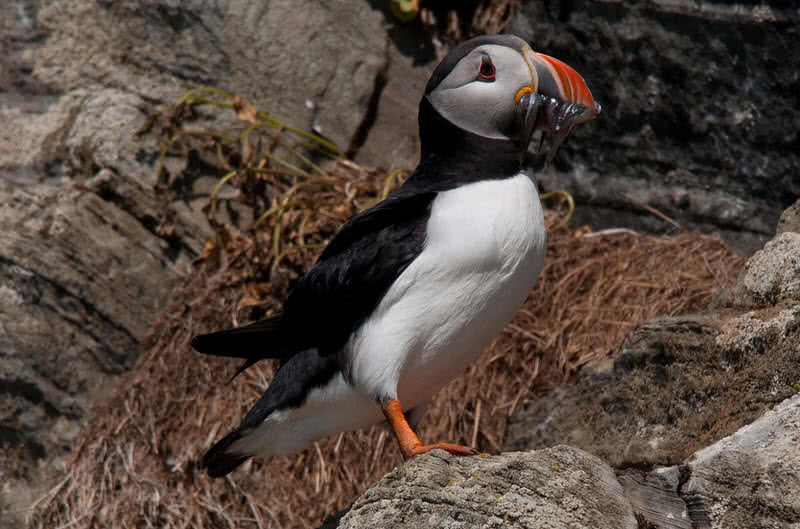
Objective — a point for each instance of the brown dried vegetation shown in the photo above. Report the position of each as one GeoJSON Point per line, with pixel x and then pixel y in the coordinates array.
{"type": "Point", "coordinates": [137, 465]}
{"type": "Point", "coordinates": [458, 20]}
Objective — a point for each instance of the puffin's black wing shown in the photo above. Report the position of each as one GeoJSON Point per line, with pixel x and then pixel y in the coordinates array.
{"type": "Point", "coordinates": [343, 287]}
{"type": "Point", "coordinates": [231, 341]}
{"type": "Point", "coordinates": [288, 389]}
{"type": "Point", "coordinates": [253, 342]}
{"type": "Point", "coordinates": [355, 270]}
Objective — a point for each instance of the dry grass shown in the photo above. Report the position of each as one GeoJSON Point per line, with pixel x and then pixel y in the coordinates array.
{"type": "Point", "coordinates": [458, 20]}
{"type": "Point", "coordinates": [137, 465]}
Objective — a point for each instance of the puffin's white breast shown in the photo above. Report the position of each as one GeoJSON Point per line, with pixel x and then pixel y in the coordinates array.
{"type": "Point", "coordinates": [484, 249]}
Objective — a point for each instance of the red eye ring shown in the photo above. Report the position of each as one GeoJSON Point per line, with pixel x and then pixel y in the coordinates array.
{"type": "Point", "coordinates": [487, 70]}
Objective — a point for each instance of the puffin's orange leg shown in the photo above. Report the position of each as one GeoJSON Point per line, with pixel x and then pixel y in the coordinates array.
{"type": "Point", "coordinates": [410, 445]}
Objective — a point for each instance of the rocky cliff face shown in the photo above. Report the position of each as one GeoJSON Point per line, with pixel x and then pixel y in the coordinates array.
{"type": "Point", "coordinates": [749, 479]}
{"type": "Point", "coordinates": [84, 264]}
{"type": "Point", "coordinates": [701, 111]}
{"type": "Point", "coordinates": [558, 488]}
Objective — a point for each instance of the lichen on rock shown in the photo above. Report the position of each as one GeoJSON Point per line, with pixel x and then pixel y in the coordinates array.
{"type": "Point", "coordinates": [556, 488]}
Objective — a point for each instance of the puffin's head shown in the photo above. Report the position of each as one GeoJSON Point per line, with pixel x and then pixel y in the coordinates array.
{"type": "Point", "coordinates": [498, 87]}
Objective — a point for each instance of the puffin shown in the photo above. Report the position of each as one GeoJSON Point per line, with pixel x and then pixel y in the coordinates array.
{"type": "Point", "coordinates": [409, 292]}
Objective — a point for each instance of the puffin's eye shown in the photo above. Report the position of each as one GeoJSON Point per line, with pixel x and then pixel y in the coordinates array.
{"type": "Point", "coordinates": [487, 70]}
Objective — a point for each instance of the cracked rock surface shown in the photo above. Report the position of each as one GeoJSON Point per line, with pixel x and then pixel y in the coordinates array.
{"type": "Point", "coordinates": [748, 479]}
{"type": "Point", "coordinates": [751, 478]}
{"type": "Point", "coordinates": [700, 118]}
{"type": "Point", "coordinates": [556, 488]}
{"type": "Point", "coordinates": [82, 269]}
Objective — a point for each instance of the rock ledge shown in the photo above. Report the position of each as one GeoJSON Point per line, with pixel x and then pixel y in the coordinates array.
{"type": "Point", "coordinates": [555, 488]}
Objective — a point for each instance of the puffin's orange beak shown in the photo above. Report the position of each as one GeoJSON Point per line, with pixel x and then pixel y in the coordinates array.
{"type": "Point", "coordinates": [557, 79]}
{"type": "Point", "coordinates": [558, 97]}
{"type": "Point", "coordinates": [568, 84]}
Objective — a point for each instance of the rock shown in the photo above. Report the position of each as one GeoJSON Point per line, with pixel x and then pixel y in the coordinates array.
{"type": "Point", "coordinates": [391, 138]}
{"type": "Point", "coordinates": [75, 302]}
{"type": "Point", "coordinates": [790, 219]}
{"type": "Point", "coordinates": [748, 479]}
{"type": "Point", "coordinates": [655, 498]}
{"type": "Point", "coordinates": [751, 478]}
{"type": "Point", "coordinates": [697, 119]}
{"type": "Point", "coordinates": [82, 270]}
{"type": "Point", "coordinates": [691, 393]}
{"type": "Point", "coordinates": [772, 275]}
{"type": "Point", "coordinates": [20, 35]}
{"type": "Point", "coordinates": [682, 383]}
{"type": "Point", "coordinates": [679, 384]}
{"type": "Point", "coordinates": [559, 487]}
{"type": "Point", "coordinates": [316, 67]}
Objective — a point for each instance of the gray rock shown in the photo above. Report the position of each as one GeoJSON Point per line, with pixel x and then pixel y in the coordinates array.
{"type": "Point", "coordinates": [560, 487]}
{"type": "Point", "coordinates": [685, 391]}
{"type": "Point", "coordinates": [82, 270]}
{"type": "Point", "coordinates": [682, 383]}
{"type": "Point", "coordinates": [678, 385]}
{"type": "Point", "coordinates": [31, 143]}
{"type": "Point", "coordinates": [748, 479]}
{"type": "Point", "coordinates": [698, 119]}
{"type": "Point", "coordinates": [655, 498]}
{"type": "Point", "coordinates": [20, 36]}
{"type": "Point", "coordinates": [790, 219]}
{"type": "Point", "coordinates": [392, 139]}
{"type": "Point", "coordinates": [751, 478]}
{"type": "Point", "coordinates": [79, 280]}
{"type": "Point", "coordinates": [772, 275]}
{"type": "Point", "coordinates": [311, 65]}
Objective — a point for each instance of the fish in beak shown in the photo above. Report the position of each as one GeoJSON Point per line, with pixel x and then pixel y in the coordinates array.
{"type": "Point", "coordinates": [556, 101]}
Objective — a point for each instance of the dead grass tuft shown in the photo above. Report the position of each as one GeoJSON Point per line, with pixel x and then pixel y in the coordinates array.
{"type": "Point", "coordinates": [456, 21]}
{"type": "Point", "coordinates": [137, 465]}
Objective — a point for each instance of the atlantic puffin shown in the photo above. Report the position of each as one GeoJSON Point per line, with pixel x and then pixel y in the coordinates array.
{"type": "Point", "coordinates": [409, 292]}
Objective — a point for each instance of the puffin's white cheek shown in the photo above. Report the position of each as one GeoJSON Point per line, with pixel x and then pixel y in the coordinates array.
{"type": "Point", "coordinates": [494, 112]}
{"type": "Point", "coordinates": [502, 117]}
{"type": "Point", "coordinates": [479, 108]}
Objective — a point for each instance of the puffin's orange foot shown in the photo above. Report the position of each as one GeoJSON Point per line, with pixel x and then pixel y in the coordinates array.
{"type": "Point", "coordinates": [459, 450]}
{"type": "Point", "coordinates": [410, 445]}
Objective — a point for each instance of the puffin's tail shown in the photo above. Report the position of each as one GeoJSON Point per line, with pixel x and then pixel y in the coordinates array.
{"type": "Point", "coordinates": [253, 342]}
{"type": "Point", "coordinates": [219, 460]}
